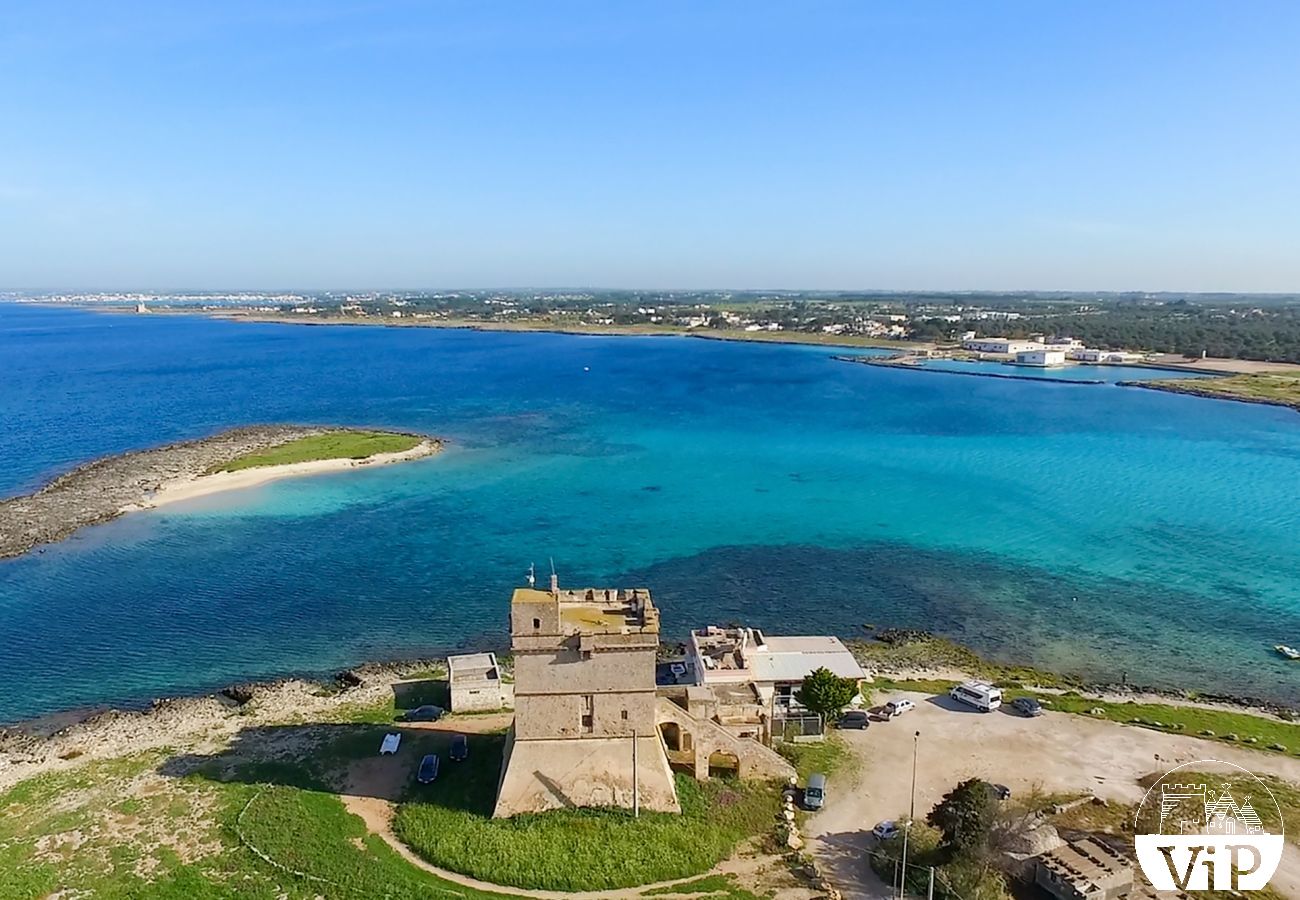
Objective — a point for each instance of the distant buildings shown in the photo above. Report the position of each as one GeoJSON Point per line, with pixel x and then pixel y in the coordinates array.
{"type": "Point", "coordinates": [1041, 358]}
{"type": "Point", "coordinates": [1000, 345]}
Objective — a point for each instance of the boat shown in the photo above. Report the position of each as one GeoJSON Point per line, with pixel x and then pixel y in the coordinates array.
{"type": "Point", "coordinates": [1288, 652]}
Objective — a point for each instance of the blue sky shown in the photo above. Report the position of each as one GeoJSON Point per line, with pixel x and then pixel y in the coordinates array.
{"type": "Point", "coordinates": [1098, 145]}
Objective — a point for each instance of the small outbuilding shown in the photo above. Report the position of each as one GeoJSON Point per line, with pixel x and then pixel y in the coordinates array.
{"type": "Point", "coordinates": [475, 684]}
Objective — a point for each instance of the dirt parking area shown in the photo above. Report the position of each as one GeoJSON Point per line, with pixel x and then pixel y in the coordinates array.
{"type": "Point", "coordinates": [1055, 752]}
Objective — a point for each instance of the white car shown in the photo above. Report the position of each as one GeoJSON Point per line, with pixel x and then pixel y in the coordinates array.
{"type": "Point", "coordinates": [677, 669]}
{"type": "Point", "coordinates": [895, 708]}
{"type": "Point", "coordinates": [390, 743]}
{"type": "Point", "coordinates": [885, 830]}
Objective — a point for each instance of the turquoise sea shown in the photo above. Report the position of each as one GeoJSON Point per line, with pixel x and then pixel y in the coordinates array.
{"type": "Point", "coordinates": [1097, 529]}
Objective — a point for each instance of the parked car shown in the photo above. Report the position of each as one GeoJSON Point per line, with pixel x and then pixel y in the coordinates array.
{"type": "Point", "coordinates": [459, 748]}
{"type": "Point", "coordinates": [388, 746]}
{"type": "Point", "coordinates": [426, 713]}
{"type": "Point", "coordinates": [678, 669]}
{"type": "Point", "coordinates": [814, 795]}
{"type": "Point", "coordinates": [1027, 706]}
{"type": "Point", "coordinates": [854, 718]}
{"type": "Point", "coordinates": [428, 769]}
{"type": "Point", "coordinates": [885, 830]}
{"type": "Point", "coordinates": [895, 708]}
{"type": "Point", "coordinates": [1001, 791]}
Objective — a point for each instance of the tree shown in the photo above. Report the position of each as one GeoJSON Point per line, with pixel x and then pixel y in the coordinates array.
{"type": "Point", "coordinates": [965, 816]}
{"type": "Point", "coordinates": [826, 693]}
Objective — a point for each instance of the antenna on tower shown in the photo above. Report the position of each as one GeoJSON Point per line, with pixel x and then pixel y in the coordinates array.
{"type": "Point", "coordinates": [532, 576]}
{"type": "Point", "coordinates": [555, 579]}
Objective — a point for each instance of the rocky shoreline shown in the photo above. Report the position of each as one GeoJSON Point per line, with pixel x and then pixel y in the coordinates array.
{"type": "Point", "coordinates": [60, 741]}
{"type": "Point", "coordinates": [106, 488]}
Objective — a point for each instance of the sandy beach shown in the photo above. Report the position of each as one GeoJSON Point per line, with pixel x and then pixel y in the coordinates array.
{"type": "Point", "coordinates": [190, 488]}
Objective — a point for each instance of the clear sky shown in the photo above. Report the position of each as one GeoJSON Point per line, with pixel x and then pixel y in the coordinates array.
{"type": "Point", "coordinates": [1089, 145]}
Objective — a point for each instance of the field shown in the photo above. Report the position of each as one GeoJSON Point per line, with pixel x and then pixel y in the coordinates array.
{"type": "Point", "coordinates": [332, 445]}
{"type": "Point", "coordinates": [449, 823]}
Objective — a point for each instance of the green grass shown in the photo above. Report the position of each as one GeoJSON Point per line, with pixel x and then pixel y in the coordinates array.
{"type": "Point", "coordinates": [825, 756]}
{"type": "Point", "coordinates": [449, 823]}
{"type": "Point", "coordinates": [333, 445]}
{"type": "Point", "coordinates": [118, 831]}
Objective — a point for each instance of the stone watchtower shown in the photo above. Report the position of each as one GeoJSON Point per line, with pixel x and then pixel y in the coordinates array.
{"type": "Point", "coordinates": [584, 694]}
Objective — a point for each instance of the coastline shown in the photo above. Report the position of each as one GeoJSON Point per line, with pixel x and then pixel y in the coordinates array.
{"type": "Point", "coordinates": [61, 740]}
{"type": "Point", "coordinates": [112, 486]}
{"type": "Point", "coordinates": [218, 482]}
{"type": "Point", "coordinates": [1191, 388]}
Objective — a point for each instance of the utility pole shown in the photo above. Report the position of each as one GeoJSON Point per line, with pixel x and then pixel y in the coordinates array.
{"type": "Point", "coordinates": [929, 895]}
{"type": "Point", "coordinates": [636, 783]}
{"type": "Point", "coordinates": [911, 815]}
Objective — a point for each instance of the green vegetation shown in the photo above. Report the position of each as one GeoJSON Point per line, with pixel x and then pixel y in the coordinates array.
{"type": "Point", "coordinates": [332, 445]}
{"type": "Point", "coordinates": [1264, 387]}
{"type": "Point", "coordinates": [826, 756]}
{"type": "Point", "coordinates": [450, 824]}
{"type": "Point", "coordinates": [121, 830]}
{"type": "Point", "coordinates": [825, 693]}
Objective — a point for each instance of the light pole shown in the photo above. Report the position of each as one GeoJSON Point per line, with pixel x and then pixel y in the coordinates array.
{"type": "Point", "coordinates": [911, 814]}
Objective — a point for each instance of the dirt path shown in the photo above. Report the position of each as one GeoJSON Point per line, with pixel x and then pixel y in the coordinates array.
{"type": "Point", "coordinates": [1054, 752]}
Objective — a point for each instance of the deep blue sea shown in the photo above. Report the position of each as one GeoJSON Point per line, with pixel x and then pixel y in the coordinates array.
{"type": "Point", "coordinates": [1097, 529]}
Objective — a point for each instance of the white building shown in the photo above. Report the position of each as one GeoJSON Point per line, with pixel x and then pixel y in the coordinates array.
{"type": "Point", "coordinates": [1000, 345]}
{"type": "Point", "coordinates": [776, 666]}
{"type": "Point", "coordinates": [1092, 355]}
{"type": "Point", "coordinates": [474, 680]}
{"type": "Point", "coordinates": [1040, 358]}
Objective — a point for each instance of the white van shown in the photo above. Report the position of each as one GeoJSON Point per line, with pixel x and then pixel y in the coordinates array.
{"type": "Point", "coordinates": [979, 694]}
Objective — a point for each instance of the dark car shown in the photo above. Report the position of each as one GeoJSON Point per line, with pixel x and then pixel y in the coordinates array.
{"type": "Point", "coordinates": [428, 713]}
{"type": "Point", "coordinates": [854, 718]}
{"type": "Point", "coordinates": [1001, 791]}
{"type": "Point", "coordinates": [459, 748]}
{"type": "Point", "coordinates": [428, 769]}
{"type": "Point", "coordinates": [1027, 706]}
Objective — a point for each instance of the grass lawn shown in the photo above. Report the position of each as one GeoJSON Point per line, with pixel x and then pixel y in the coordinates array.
{"type": "Point", "coordinates": [826, 756]}
{"type": "Point", "coordinates": [334, 445]}
{"type": "Point", "coordinates": [449, 823]}
{"type": "Point", "coordinates": [1227, 726]}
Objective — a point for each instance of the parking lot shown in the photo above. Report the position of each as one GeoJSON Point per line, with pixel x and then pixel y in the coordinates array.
{"type": "Point", "coordinates": [1055, 751]}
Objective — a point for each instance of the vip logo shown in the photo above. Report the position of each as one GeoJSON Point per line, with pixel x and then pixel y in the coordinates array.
{"type": "Point", "coordinates": [1205, 832]}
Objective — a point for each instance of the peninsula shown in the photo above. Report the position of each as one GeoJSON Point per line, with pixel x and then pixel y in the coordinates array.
{"type": "Point", "coordinates": [102, 490]}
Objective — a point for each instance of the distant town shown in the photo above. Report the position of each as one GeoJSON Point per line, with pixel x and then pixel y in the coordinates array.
{"type": "Point", "coordinates": [1232, 326]}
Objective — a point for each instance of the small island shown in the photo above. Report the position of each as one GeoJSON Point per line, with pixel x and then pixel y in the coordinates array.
{"type": "Point", "coordinates": [102, 490]}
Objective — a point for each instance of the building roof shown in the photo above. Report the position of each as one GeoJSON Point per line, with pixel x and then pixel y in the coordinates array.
{"type": "Point", "coordinates": [471, 667]}
{"type": "Point", "coordinates": [597, 610]}
{"type": "Point", "coordinates": [749, 653]}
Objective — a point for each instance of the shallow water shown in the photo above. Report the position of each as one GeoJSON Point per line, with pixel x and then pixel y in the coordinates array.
{"type": "Point", "coordinates": [1098, 529]}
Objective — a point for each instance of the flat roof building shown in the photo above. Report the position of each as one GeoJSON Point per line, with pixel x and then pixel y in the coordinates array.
{"type": "Point", "coordinates": [1000, 345]}
{"type": "Point", "coordinates": [474, 682]}
{"type": "Point", "coordinates": [775, 665]}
